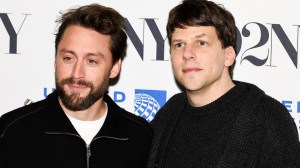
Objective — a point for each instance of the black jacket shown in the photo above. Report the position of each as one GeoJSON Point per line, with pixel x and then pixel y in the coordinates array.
{"type": "Point", "coordinates": [40, 135]}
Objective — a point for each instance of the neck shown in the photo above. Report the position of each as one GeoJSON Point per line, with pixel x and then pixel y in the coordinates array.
{"type": "Point", "coordinates": [209, 93]}
{"type": "Point", "coordinates": [95, 112]}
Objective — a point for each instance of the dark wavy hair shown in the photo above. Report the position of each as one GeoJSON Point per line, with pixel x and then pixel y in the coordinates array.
{"type": "Point", "coordinates": [204, 13]}
{"type": "Point", "coordinates": [102, 19]}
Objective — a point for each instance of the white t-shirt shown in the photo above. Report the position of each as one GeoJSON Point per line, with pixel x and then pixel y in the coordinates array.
{"type": "Point", "coordinates": [88, 129]}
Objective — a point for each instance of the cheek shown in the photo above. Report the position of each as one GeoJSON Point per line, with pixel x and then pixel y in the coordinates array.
{"type": "Point", "coordinates": [61, 72]}
{"type": "Point", "coordinates": [98, 75]}
{"type": "Point", "coordinates": [175, 60]}
{"type": "Point", "coordinates": [58, 75]}
{"type": "Point", "coordinates": [177, 71]}
{"type": "Point", "coordinates": [174, 65]}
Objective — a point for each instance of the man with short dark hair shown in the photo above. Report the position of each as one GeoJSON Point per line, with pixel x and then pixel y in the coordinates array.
{"type": "Point", "coordinates": [79, 125]}
{"type": "Point", "coordinates": [217, 122]}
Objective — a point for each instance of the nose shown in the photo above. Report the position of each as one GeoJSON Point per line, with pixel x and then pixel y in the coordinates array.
{"type": "Point", "coordinates": [188, 53]}
{"type": "Point", "coordinates": [78, 70]}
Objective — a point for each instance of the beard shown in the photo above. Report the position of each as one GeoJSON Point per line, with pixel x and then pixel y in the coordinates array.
{"type": "Point", "coordinates": [74, 101]}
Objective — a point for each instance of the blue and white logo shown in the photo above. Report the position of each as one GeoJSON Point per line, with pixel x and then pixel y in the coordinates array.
{"type": "Point", "coordinates": [148, 102]}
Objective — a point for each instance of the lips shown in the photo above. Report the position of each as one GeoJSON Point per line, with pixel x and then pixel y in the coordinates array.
{"type": "Point", "coordinates": [192, 69]}
{"type": "Point", "coordinates": [77, 86]}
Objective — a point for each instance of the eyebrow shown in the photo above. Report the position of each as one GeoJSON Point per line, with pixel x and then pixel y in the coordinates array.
{"type": "Point", "coordinates": [201, 35]}
{"type": "Point", "coordinates": [64, 50]}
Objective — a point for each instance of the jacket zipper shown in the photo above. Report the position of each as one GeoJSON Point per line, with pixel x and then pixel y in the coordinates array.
{"type": "Point", "coordinates": [88, 148]}
{"type": "Point", "coordinates": [88, 155]}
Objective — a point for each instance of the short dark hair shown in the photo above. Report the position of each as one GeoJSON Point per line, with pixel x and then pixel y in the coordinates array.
{"type": "Point", "coordinates": [204, 13]}
{"type": "Point", "coordinates": [102, 19]}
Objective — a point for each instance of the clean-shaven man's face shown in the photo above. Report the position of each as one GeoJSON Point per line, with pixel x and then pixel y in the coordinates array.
{"type": "Point", "coordinates": [198, 59]}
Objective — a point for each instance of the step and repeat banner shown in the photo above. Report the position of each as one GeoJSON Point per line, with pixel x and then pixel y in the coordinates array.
{"type": "Point", "coordinates": [267, 53]}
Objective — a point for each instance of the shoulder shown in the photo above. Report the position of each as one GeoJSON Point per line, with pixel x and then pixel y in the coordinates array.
{"type": "Point", "coordinates": [281, 139]}
{"type": "Point", "coordinates": [177, 97]}
{"type": "Point", "coordinates": [251, 90]}
{"type": "Point", "coordinates": [135, 122]}
{"type": "Point", "coordinates": [265, 111]}
{"type": "Point", "coordinates": [128, 119]}
{"type": "Point", "coordinates": [175, 101]}
{"type": "Point", "coordinates": [172, 108]}
{"type": "Point", "coordinates": [273, 111]}
{"type": "Point", "coordinates": [20, 115]}
{"type": "Point", "coordinates": [272, 117]}
{"type": "Point", "coordinates": [264, 106]}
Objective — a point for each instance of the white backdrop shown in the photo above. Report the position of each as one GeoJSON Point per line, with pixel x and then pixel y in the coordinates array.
{"type": "Point", "coordinates": [267, 57]}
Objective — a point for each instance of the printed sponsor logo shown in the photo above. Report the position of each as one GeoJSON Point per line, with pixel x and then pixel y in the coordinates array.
{"type": "Point", "coordinates": [148, 102]}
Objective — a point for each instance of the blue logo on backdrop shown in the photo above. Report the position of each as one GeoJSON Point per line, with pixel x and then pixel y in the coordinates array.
{"type": "Point", "coordinates": [293, 106]}
{"type": "Point", "coordinates": [148, 102]}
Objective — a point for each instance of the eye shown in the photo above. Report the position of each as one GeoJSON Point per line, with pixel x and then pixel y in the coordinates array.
{"type": "Point", "coordinates": [202, 43]}
{"type": "Point", "coordinates": [178, 45]}
{"type": "Point", "coordinates": [92, 62]}
{"type": "Point", "coordinates": [68, 59]}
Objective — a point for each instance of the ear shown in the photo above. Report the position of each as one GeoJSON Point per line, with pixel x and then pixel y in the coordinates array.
{"type": "Point", "coordinates": [229, 56]}
{"type": "Point", "coordinates": [115, 70]}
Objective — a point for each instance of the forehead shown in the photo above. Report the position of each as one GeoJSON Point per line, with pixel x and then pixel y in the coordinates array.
{"type": "Point", "coordinates": [82, 35]}
{"type": "Point", "coordinates": [84, 40]}
{"type": "Point", "coordinates": [195, 31]}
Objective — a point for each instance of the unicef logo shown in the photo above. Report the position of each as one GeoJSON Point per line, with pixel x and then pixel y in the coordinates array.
{"type": "Point", "coordinates": [145, 106]}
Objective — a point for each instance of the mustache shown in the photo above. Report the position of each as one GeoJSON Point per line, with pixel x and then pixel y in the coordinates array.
{"type": "Point", "coordinates": [74, 81]}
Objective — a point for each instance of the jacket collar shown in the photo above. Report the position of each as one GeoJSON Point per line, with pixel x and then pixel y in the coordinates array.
{"type": "Point", "coordinates": [56, 121]}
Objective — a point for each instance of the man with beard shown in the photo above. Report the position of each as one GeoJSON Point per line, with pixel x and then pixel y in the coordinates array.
{"type": "Point", "coordinates": [78, 125]}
